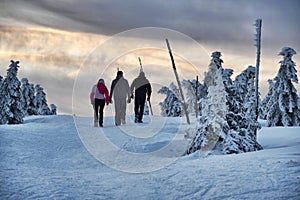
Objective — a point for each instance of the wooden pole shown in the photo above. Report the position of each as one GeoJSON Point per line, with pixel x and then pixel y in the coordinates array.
{"type": "Point", "coordinates": [178, 82]}
{"type": "Point", "coordinates": [258, 45]}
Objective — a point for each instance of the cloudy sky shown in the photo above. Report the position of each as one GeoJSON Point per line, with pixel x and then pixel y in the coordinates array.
{"type": "Point", "coordinates": [63, 42]}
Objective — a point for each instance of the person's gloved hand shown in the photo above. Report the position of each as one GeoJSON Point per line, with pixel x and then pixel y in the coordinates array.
{"type": "Point", "coordinates": [107, 103]}
{"type": "Point", "coordinates": [148, 99]}
{"type": "Point", "coordinates": [132, 96]}
{"type": "Point", "coordinates": [129, 100]}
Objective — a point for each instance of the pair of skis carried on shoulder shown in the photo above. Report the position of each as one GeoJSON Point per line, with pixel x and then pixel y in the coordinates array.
{"type": "Point", "coordinates": [149, 103]}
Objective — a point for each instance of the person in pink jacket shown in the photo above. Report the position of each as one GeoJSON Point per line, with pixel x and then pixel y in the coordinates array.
{"type": "Point", "coordinates": [99, 96]}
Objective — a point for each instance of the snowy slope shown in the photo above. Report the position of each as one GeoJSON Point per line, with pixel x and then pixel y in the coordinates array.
{"type": "Point", "coordinates": [45, 158]}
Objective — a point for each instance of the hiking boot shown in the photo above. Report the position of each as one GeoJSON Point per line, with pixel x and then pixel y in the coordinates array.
{"type": "Point", "coordinates": [101, 125]}
{"type": "Point", "coordinates": [95, 124]}
{"type": "Point", "coordinates": [123, 121]}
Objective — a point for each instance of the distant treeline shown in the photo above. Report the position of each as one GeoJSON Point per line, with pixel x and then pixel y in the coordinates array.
{"type": "Point", "coordinates": [21, 98]}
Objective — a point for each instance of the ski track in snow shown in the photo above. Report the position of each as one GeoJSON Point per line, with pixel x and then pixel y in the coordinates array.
{"type": "Point", "coordinates": [44, 158]}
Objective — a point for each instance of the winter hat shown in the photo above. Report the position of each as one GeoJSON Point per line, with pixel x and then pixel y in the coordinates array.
{"type": "Point", "coordinates": [101, 80]}
{"type": "Point", "coordinates": [142, 74]}
{"type": "Point", "coordinates": [119, 73]}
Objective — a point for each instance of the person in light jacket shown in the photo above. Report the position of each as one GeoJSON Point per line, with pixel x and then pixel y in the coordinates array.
{"type": "Point", "coordinates": [120, 91]}
{"type": "Point", "coordinates": [99, 96]}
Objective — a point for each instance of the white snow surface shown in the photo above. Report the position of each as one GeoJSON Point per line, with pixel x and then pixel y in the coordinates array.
{"type": "Point", "coordinates": [45, 158]}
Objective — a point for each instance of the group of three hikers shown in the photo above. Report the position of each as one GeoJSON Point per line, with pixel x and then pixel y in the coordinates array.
{"type": "Point", "coordinates": [120, 91]}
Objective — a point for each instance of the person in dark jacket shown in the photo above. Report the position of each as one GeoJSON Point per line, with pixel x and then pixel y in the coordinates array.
{"type": "Point", "coordinates": [140, 88]}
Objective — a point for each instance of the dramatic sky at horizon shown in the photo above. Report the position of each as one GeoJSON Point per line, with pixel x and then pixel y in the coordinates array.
{"type": "Point", "coordinates": [56, 40]}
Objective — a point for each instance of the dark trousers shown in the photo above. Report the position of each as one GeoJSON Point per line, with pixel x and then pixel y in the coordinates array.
{"type": "Point", "coordinates": [139, 103]}
{"type": "Point", "coordinates": [99, 107]}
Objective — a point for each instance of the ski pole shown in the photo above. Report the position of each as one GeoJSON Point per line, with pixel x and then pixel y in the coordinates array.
{"type": "Point", "coordinates": [150, 106]}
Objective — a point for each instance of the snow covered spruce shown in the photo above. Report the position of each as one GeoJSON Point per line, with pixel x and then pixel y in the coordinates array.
{"type": "Point", "coordinates": [28, 97]}
{"type": "Point", "coordinates": [20, 99]}
{"type": "Point", "coordinates": [281, 105]}
{"type": "Point", "coordinates": [226, 123]}
{"type": "Point", "coordinates": [171, 106]}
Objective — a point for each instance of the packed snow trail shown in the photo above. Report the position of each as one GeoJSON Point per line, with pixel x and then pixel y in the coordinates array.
{"type": "Point", "coordinates": [134, 147]}
{"type": "Point", "coordinates": [44, 158]}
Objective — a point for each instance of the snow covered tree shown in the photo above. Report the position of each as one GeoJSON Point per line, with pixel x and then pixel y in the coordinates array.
{"type": "Point", "coordinates": [41, 102]}
{"type": "Point", "coordinates": [213, 112]}
{"type": "Point", "coordinates": [190, 95]}
{"type": "Point", "coordinates": [226, 76]}
{"type": "Point", "coordinates": [28, 97]}
{"type": "Point", "coordinates": [282, 107]}
{"type": "Point", "coordinates": [2, 102]}
{"type": "Point", "coordinates": [53, 109]}
{"type": "Point", "coordinates": [233, 103]}
{"type": "Point", "coordinates": [245, 92]}
{"type": "Point", "coordinates": [237, 133]}
{"type": "Point", "coordinates": [10, 96]}
{"type": "Point", "coordinates": [241, 82]}
{"type": "Point", "coordinates": [249, 104]}
{"type": "Point", "coordinates": [171, 106]}
{"type": "Point", "coordinates": [263, 108]}
{"type": "Point", "coordinates": [190, 88]}
{"type": "Point", "coordinates": [239, 130]}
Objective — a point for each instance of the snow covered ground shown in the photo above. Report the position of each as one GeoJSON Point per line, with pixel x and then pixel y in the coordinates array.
{"type": "Point", "coordinates": [51, 157]}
